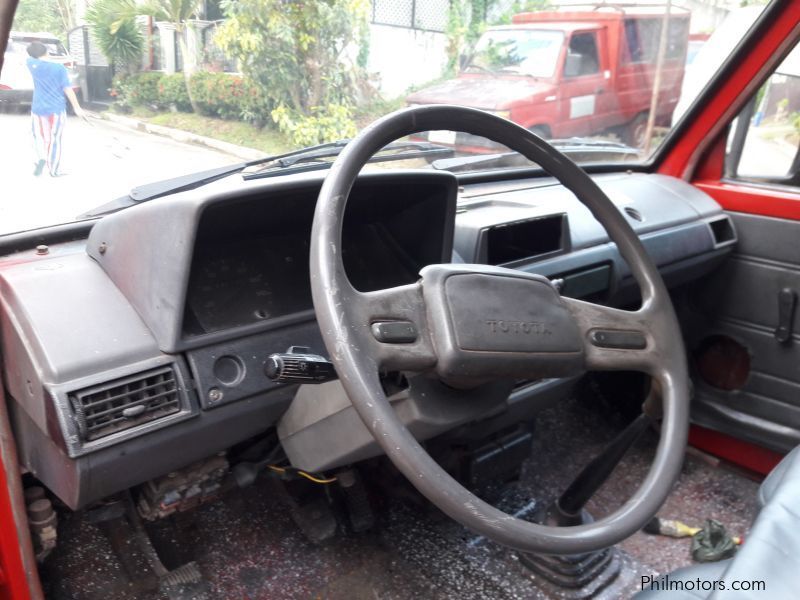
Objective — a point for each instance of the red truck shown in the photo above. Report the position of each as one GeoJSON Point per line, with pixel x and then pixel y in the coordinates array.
{"type": "Point", "coordinates": [564, 74]}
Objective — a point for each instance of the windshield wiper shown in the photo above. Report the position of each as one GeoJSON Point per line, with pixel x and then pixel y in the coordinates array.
{"type": "Point", "coordinates": [480, 68]}
{"type": "Point", "coordinates": [306, 159]}
{"type": "Point", "coordinates": [315, 160]}
{"type": "Point", "coordinates": [578, 149]}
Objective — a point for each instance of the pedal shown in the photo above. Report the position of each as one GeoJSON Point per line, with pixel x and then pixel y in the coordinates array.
{"type": "Point", "coordinates": [356, 499]}
{"type": "Point", "coordinates": [184, 583]}
{"type": "Point", "coordinates": [141, 561]}
{"type": "Point", "coordinates": [316, 520]}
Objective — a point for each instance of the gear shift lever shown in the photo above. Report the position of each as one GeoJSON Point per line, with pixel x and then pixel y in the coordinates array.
{"type": "Point", "coordinates": [596, 569]}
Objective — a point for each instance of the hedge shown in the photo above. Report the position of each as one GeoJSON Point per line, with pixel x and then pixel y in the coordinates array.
{"type": "Point", "coordinates": [215, 94]}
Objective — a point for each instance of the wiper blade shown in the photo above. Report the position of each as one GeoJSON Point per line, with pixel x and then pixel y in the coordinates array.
{"type": "Point", "coordinates": [315, 160]}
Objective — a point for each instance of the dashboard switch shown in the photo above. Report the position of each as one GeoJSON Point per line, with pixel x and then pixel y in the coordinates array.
{"type": "Point", "coordinates": [395, 332]}
{"type": "Point", "coordinates": [298, 365]}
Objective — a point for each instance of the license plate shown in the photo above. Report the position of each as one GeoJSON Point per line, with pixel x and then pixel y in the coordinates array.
{"type": "Point", "coordinates": [442, 136]}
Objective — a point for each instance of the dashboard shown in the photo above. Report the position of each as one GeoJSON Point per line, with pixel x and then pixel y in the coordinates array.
{"type": "Point", "coordinates": [152, 355]}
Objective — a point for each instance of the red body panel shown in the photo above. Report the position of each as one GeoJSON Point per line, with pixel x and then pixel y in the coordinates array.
{"type": "Point", "coordinates": [15, 581]}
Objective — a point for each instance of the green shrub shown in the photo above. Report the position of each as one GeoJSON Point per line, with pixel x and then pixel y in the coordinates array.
{"type": "Point", "coordinates": [139, 89]}
{"type": "Point", "coordinates": [172, 92]}
{"type": "Point", "coordinates": [229, 97]}
{"type": "Point", "coordinates": [326, 124]}
{"type": "Point", "coordinates": [216, 95]}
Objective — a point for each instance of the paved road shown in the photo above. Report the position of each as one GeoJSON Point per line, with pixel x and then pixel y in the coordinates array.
{"type": "Point", "coordinates": [766, 155]}
{"type": "Point", "coordinates": [102, 161]}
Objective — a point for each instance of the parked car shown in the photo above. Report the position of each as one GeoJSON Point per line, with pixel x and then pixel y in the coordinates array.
{"type": "Point", "coordinates": [16, 83]}
{"type": "Point", "coordinates": [564, 74]}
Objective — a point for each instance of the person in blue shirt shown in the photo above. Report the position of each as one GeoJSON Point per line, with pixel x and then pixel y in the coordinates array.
{"type": "Point", "coordinates": [51, 90]}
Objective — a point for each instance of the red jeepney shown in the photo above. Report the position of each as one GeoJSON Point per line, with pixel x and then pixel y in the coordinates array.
{"type": "Point", "coordinates": [564, 74]}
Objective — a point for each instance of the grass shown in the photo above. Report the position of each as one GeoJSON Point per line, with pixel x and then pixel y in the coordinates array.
{"type": "Point", "coordinates": [267, 140]}
{"type": "Point", "coordinates": [235, 132]}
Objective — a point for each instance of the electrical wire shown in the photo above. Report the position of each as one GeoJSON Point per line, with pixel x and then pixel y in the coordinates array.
{"type": "Point", "coordinates": [309, 476]}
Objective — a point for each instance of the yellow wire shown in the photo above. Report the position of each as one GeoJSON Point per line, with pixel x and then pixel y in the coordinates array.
{"type": "Point", "coordinates": [316, 479]}
{"type": "Point", "coordinates": [303, 474]}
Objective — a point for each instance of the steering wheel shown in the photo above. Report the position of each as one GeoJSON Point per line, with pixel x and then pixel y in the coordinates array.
{"type": "Point", "coordinates": [471, 323]}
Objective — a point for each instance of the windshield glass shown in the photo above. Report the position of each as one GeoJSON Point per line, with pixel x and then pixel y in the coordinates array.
{"type": "Point", "coordinates": [108, 103]}
{"type": "Point", "coordinates": [527, 52]}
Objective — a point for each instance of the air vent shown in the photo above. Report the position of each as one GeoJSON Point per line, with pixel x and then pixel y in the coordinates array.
{"type": "Point", "coordinates": [120, 404]}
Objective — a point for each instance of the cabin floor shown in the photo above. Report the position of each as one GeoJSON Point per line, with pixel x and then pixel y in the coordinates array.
{"type": "Point", "coordinates": [248, 547]}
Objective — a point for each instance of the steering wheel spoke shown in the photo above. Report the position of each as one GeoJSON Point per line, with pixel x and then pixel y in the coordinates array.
{"type": "Point", "coordinates": [614, 339]}
{"type": "Point", "coordinates": [395, 327]}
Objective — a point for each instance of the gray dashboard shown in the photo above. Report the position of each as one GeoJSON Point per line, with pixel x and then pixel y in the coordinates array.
{"type": "Point", "coordinates": [103, 322]}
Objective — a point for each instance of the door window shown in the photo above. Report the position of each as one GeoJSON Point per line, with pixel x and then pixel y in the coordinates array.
{"type": "Point", "coordinates": [582, 57]}
{"type": "Point", "coordinates": [764, 139]}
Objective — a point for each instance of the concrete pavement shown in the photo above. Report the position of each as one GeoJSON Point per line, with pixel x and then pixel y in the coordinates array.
{"type": "Point", "coordinates": [102, 161]}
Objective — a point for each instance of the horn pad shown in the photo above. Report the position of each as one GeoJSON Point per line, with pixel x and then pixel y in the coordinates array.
{"type": "Point", "coordinates": [490, 321]}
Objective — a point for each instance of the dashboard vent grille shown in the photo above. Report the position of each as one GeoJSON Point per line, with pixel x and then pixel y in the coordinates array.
{"type": "Point", "coordinates": [117, 405]}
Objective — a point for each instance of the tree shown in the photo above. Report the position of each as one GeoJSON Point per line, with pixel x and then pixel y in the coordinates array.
{"type": "Point", "coordinates": [66, 10]}
{"type": "Point", "coordinates": [178, 13]}
{"type": "Point", "coordinates": [116, 31]}
{"type": "Point", "coordinates": [302, 54]}
{"type": "Point", "coordinates": [52, 16]}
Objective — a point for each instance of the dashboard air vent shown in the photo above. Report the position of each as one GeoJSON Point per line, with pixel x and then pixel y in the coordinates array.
{"type": "Point", "coordinates": [120, 404]}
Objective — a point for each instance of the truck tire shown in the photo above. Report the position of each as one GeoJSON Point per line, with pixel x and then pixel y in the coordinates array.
{"type": "Point", "coordinates": [633, 134]}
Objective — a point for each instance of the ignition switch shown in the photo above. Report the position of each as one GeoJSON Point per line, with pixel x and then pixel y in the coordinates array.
{"type": "Point", "coordinates": [298, 365]}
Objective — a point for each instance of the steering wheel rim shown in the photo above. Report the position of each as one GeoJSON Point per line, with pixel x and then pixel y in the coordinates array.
{"type": "Point", "coordinates": [345, 317]}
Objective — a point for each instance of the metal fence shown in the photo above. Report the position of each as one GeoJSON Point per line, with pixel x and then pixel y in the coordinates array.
{"type": "Point", "coordinates": [425, 15]}
{"type": "Point", "coordinates": [96, 75]}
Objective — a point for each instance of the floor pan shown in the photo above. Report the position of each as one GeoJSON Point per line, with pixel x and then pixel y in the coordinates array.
{"type": "Point", "coordinates": [248, 547]}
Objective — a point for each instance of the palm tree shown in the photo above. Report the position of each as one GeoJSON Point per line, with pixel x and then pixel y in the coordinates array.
{"type": "Point", "coordinates": [178, 13]}
{"type": "Point", "coordinates": [114, 27]}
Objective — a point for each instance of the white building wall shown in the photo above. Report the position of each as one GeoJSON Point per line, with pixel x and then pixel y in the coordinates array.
{"type": "Point", "coordinates": [405, 57]}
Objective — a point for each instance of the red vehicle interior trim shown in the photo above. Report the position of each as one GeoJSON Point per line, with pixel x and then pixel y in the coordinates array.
{"type": "Point", "coordinates": [753, 199]}
{"type": "Point", "coordinates": [750, 456]}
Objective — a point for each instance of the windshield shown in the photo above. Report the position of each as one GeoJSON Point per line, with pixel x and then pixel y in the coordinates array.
{"type": "Point", "coordinates": [523, 51]}
{"type": "Point", "coordinates": [116, 102]}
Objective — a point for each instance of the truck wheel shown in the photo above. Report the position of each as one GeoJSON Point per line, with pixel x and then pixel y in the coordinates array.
{"type": "Point", "coordinates": [543, 131]}
{"type": "Point", "coordinates": [635, 130]}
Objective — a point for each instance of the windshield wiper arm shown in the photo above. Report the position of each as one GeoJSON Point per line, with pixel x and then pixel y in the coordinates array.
{"type": "Point", "coordinates": [315, 160]}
